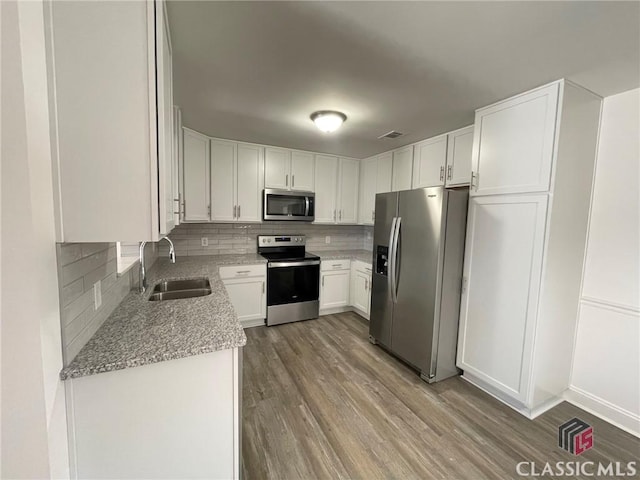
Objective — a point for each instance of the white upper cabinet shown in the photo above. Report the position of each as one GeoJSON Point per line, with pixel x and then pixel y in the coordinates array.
{"type": "Point", "coordinates": [368, 184]}
{"type": "Point", "coordinates": [347, 204]}
{"type": "Point", "coordinates": [165, 117]}
{"type": "Point", "coordinates": [113, 115]}
{"type": "Point", "coordinates": [288, 169]}
{"type": "Point", "coordinates": [385, 173]}
{"type": "Point", "coordinates": [459, 148]}
{"type": "Point", "coordinates": [429, 162]}
{"type": "Point", "coordinates": [302, 171]}
{"type": "Point", "coordinates": [514, 143]}
{"type": "Point", "coordinates": [249, 174]}
{"type": "Point", "coordinates": [223, 180]}
{"type": "Point", "coordinates": [277, 168]}
{"type": "Point", "coordinates": [196, 177]}
{"type": "Point", "coordinates": [326, 175]}
{"type": "Point", "coordinates": [402, 168]}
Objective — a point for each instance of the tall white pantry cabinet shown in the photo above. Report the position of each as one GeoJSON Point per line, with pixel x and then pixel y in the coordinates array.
{"type": "Point", "coordinates": [532, 172]}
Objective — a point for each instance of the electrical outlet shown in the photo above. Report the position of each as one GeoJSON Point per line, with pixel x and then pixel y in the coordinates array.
{"type": "Point", "coordinates": [204, 241]}
{"type": "Point", "coordinates": [368, 235]}
{"type": "Point", "coordinates": [327, 239]}
{"type": "Point", "coordinates": [97, 294]}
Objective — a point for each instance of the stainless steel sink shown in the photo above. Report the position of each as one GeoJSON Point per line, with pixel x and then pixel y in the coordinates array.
{"type": "Point", "coordinates": [176, 289]}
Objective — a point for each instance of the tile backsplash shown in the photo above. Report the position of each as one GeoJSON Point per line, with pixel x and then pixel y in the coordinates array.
{"type": "Point", "coordinates": [80, 266]}
{"type": "Point", "coordinates": [235, 238]}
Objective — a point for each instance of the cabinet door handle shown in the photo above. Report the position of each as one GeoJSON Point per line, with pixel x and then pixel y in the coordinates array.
{"type": "Point", "coordinates": [449, 169]}
{"type": "Point", "coordinates": [262, 287]}
{"type": "Point", "coordinates": [373, 215]}
{"type": "Point", "coordinates": [442, 173]}
{"type": "Point", "coordinates": [239, 207]}
{"type": "Point", "coordinates": [234, 211]}
{"type": "Point", "coordinates": [323, 280]}
{"type": "Point", "coordinates": [340, 217]}
{"type": "Point", "coordinates": [286, 180]}
{"type": "Point", "coordinates": [293, 181]}
{"type": "Point", "coordinates": [366, 285]}
{"type": "Point", "coordinates": [209, 211]}
{"type": "Point", "coordinates": [474, 176]}
{"type": "Point", "coordinates": [334, 214]}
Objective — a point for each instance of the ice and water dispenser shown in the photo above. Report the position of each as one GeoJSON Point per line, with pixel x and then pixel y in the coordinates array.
{"type": "Point", "coordinates": [382, 259]}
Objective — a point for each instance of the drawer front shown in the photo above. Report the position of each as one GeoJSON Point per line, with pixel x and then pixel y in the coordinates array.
{"type": "Point", "coordinates": [242, 271]}
{"type": "Point", "coordinates": [328, 265]}
{"type": "Point", "coordinates": [362, 267]}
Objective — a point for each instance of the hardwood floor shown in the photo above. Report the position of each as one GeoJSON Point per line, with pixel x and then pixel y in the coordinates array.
{"type": "Point", "coordinates": [321, 402]}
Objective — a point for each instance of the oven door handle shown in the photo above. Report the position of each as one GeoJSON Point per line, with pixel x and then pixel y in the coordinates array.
{"type": "Point", "coordinates": [292, 264]}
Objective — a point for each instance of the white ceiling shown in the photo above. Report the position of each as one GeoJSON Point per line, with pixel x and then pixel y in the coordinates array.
{"type": "Point", "coordinates": [255, 71]}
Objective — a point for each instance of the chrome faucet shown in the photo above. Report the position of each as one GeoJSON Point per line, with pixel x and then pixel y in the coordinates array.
{"type": "Point", "coordinates": [143, 270]}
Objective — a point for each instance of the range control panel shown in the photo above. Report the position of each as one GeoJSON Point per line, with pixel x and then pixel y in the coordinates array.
{"type": "Point", "coordinates": [281, 240]}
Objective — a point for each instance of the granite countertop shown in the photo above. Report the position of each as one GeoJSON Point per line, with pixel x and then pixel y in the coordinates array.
{"type": "Point", "coordinates": [140, 332]}
{"type": "Point", "coordinates": [362, 255]}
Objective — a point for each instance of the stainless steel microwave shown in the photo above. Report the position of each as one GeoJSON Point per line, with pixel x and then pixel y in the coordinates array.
{"type": "Point", "coordinates": [287, 205]}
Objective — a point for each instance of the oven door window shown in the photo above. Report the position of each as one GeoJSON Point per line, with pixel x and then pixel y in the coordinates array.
{"type": "Point", "coordinates": [287, 205]}
{"type": "Point", "coordinates": [293, 284]}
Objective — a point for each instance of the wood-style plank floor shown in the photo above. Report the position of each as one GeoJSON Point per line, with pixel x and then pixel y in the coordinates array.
{"type": "Point", "coordinates": [321, 402]}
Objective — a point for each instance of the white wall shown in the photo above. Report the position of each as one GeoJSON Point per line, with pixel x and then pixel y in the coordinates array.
{"type": "Point", "coordinates": [34, 440]}
{"type": "Point", "coordinates": [606, 365]}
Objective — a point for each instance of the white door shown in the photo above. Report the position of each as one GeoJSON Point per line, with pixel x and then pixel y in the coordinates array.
{"type": "Point", "coordinates": [276, 168]}
{"type": "Point", "coordinates": [513, 144]}
{"type": "Point", "coordinates": [302, 171]}
{"type": "Point", "coordinates": [501, 282]}
{"type": "Point", "coordinates": [196, 177]}
{"type": "Point", "coordinates": [429, 162]}
{"type": "Point", "coordinates": [385, 172]}
{"type": "Point", "coordinates": [348, 193]}
{"type": "Point", "coordinates": [248, 297]}
{"type": "Point", "coordinates": [223, 181]}
{"type": "Point", "coordinates": [402, 167]}
{"type": "Point", "coordinates": [250, 170]}
{"type": "Point", "coordinates": [334, 289]}
{"type": "Point", "coordinates": [326, 178]}
{"type": "Point", "coordinates": [360, 290]}
{"type": "Point", "coordinates": [165, 122]}
{"type": "Point", "coordinates": [368, 184]}
{"type": "Point", "coordinates": [459, 147]}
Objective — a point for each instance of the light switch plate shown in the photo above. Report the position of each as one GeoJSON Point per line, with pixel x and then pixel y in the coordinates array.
{"type": "Point", "coordinates": [204, 241]}
{"type": "Point", "coordinates": [327, 239]}
{"type": "Point", "coordinates": [97, 294]}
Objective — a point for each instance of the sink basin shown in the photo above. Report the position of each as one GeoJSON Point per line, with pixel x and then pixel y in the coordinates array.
{"type": "Point", "coordinates": [177, 289]}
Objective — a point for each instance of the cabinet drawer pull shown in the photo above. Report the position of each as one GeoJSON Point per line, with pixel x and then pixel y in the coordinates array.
{"type": "Point", "coordinates": [336, 265]}
{"type": "Point", "coordinates": [242, 272]}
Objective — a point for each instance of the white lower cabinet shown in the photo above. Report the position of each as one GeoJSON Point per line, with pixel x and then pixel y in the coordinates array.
{"type": "Point", "coordinates": [133, 423]}
{"type": "Point", "coordinates": [247, 289]}
{"type": "Point", "coordinates": [334, 284]}
{"type": "Point", "coordinates": [360, 291]}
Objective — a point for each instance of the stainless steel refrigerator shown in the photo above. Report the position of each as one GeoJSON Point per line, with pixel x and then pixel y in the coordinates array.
{"type": "Point", "coordinates": [418, 247]}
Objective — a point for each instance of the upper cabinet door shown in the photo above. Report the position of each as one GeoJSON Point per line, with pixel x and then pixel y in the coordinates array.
{"type": "Point", "coordinates": [250, 174]}
{"type": "Point", "coordinates": [277, 168]}
{"type": "Point", "coordinates": [196, 177]}
{"type": "Point", "coordinates": [385, 170]}
{"type": "Point", "coordinates": [326, 177]}
{"type": "Point", "coordinates": [402, 167]}
{"type": "Point", "coordinates": [429, 162]}
{"type": "Point", "coordinates": [302, 171]}
{"type": "Point", "coordinates": [459, 148]}
{"type": "Point", "coordinates": [514, 143]}
{"type": "Point", "coordinates": [223, 181]}
{"type": "Point", "coordinates": [368, 184]}
{"type": "Point", "coordinates": [165, 121]}
{"type": "Point", "coordinates": [348, 194]}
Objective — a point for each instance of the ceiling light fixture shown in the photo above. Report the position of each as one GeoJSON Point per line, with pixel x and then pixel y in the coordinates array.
{"type": "Point", "coordinates": [328, 120]}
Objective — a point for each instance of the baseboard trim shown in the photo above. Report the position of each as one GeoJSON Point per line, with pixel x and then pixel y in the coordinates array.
{"type": "Point", "coordinates": [621, 418]}
{"type": "Point", "coordinates": [256, 322]}
{"type": "Point", "coordinates": [331, 311]}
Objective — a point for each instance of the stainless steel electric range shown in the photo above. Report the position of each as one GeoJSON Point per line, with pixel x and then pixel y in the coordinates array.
{"type": "Point", "coordinates": [293, 278]}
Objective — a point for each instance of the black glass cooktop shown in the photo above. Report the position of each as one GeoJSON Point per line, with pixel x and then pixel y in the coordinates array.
{"type": "Point", "coordinates": [288, 257]}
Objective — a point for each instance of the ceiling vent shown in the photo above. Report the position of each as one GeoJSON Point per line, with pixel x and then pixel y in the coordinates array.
{"type": "Point", "coordinates": [391, 134]}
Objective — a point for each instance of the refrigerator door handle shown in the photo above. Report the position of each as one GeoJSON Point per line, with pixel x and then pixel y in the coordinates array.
{"type": "Point", "coordinates": [394, 277]}
{"type": "Point", "coordinates": [390, 257]}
